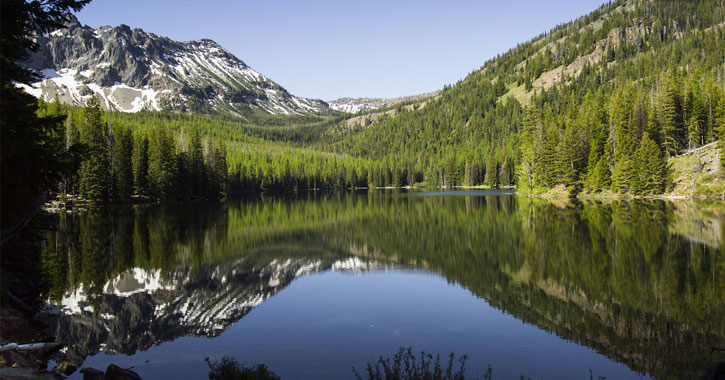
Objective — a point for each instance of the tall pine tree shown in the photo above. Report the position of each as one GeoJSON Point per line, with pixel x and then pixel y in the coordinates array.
{"type": "Point", "coordinates": [140, 162]}
{"type": "Point", "coordinates": [94, 175]}
{"type": "Point", "coordinates": [651, 167]}
{"type": "Point", "coordinates": [121, 164]}
{"type": "Point", "coordinates": [162, 165]}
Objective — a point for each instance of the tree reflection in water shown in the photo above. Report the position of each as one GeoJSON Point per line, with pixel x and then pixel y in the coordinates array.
{"type": "Point", "coordinates": [640, 281]}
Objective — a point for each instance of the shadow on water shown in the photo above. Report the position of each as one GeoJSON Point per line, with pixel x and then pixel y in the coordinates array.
{"type": "Point", "coordinates": [639, 281]}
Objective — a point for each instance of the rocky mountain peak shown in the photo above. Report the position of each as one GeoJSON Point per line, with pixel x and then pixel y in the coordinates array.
{"type": "Point", "coordinates": [131, 70]}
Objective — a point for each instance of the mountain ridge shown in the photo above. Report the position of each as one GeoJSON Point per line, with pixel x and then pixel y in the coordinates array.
{"type": "Point", "coordinates": [355, 105]}
{"type": "Point", "coordinates": [132, 70]}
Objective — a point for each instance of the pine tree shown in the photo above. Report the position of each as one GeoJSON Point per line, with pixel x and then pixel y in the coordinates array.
{"type": "Point", "coordinates": [696, 115]}
{"type": "Point", "coordinates": [121, 163]}
{"type": "Point", "coordinates": [216, 163]}
{"type": "Point", "coordinates": [623, 140]}
{"type": "Point", "coordinates": [671, 114]}
{"type": "Point", "coordinates": [94, 174]}
{"type": "Point", "coordinates": [569, 149]}
{"type": "Point", "coordinates": [527, 162]}
{"type": "Point", "coordinates": [492, 171]}
{"type": "Point", "coordinates": [507, 172]}
{"type": "Point", "coordinates": [221, 169]}
{"type": "Point", "coordinates": [713, 110]}
{"type": "Point", "coordinates": [597, 169]}
{"type": "Point", "coordinates": [184, 179]}
{"type": "Point", "coordinates": [548, 159]}
{"type": "Point", "coordinates": [624, 175]}
{"type": "Point", "coordinates": [599, 177]}
{"type": "Point", "coordinates": [651, 167]}
{"type": "Point", "coordinates": [622, 134]}
{"type": "Point", "coordinates": [196, 156]}
{"type": "Point", "coordinates": [719, 125]}
{"type": "Point", "coordinates": [140, 162]}
{"type": "Point", "coordinates": [162, 165]}
{"type": "Point", "coordinates": [654, 129]}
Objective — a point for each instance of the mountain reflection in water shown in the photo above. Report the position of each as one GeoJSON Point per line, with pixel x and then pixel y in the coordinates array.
{"type": "Point", "coordinates": [638, 281]}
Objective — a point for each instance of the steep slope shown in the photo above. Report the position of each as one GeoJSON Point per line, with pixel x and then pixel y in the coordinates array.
{"type": "Point", "coordinates": [697, 173]}
{"type": "Point", "coordinates": [598, 82]}
{"type": "Point", "coordinates": [131, 70]}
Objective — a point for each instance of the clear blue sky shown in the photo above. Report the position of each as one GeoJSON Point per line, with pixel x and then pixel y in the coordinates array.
{"type": "Point", "coordinates": [335, 48]}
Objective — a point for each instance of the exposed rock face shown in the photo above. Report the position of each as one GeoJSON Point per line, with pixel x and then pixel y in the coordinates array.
{"type": "Point", "coordinates": [133, 70]}
{"type": "Point", "coordinates": [697, 172]}
{"type": "Point", "coordinates": [354, 105]}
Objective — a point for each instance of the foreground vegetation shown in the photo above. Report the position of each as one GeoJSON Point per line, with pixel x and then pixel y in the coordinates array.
{"type": "Point", "coordinates": [405, 365]}
{"type": "Point", "coordinates": [229, 368]}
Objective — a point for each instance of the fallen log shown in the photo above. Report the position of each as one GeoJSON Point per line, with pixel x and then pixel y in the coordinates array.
{"type": "Point", "coordinates": [30, 346]}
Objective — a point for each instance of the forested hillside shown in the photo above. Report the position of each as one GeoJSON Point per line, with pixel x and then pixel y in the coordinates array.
{"type": "Point", "coordinates": [583, 105]}
{"type": "Point", "coordinates": [598, 104]}
{"type": "Point", "coordinates": [167, 156]}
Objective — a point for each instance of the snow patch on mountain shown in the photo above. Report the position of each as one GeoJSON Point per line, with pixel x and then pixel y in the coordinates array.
{"type": "Point", "coordinates": [64, 85]}
{"type": "Point", "coordinates": [131, 70]}
{"type": "Point", "coordinates": [355, 105]}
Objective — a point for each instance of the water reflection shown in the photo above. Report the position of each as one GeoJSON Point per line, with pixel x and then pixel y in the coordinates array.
{"type": "Point", "coordinates": [639, 281]}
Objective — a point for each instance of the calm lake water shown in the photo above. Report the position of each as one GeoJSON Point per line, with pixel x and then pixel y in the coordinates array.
{"type": "Point", "coordinates": [316, 284]}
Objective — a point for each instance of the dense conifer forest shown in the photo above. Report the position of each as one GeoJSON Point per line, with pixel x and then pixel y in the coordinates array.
{"type": "Point", "coordinates": [585, 105]}
{"type": "Point", "coordinates": [627, 101]}
{"type": "Point", "coordinates": [598, 104]}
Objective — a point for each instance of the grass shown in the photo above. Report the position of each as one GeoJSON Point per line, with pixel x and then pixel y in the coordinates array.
{"type": "Point", "coordinates": [404, 365]}
{"type": "Point", "coordinates": [407, 366]}
{"type": "Point", "coordinates": [229, 369]}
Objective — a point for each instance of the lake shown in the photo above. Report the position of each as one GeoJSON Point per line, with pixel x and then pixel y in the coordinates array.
{"type": "Point", "coordinates": [313, 285]}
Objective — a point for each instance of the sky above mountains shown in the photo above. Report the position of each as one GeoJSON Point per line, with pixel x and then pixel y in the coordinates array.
{"type": "Point", "coordinates": [336, 48]}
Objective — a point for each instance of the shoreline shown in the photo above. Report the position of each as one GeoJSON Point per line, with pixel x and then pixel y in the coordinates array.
{"type": "Point", "coordinates": [622, 197]}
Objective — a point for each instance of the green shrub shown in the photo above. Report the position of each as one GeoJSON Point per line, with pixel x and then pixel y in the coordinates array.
{"type": "Point", "coordinates": [406, 366]}
{"type": "Point", "coordinates": [229, 369]}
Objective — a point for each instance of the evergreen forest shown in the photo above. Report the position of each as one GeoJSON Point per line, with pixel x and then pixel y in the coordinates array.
{"type": "Point", "coordinates": [599, 104]}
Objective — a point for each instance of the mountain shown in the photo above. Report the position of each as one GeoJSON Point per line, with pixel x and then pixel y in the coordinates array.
{"type": "Point", "coordinates": [131, 70]}
{"type": "Point", "coordinates": [354, 105]}
{"type": "Point", "coordinates": [578, 106]}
